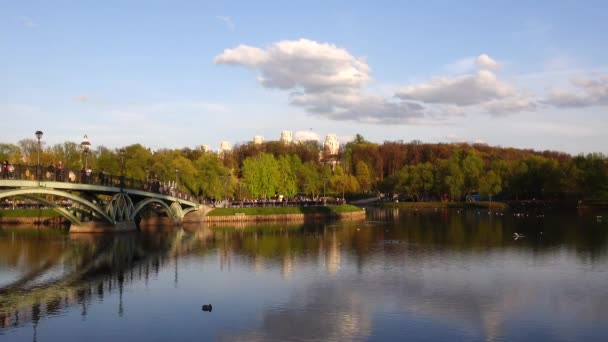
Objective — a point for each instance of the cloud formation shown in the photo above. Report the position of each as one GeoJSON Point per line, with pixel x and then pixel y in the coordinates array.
{"type": "Point", "coordinates": [462, 90]}
{"type": "Point", "coordinates": [304, 64]}
{"type": "Point", "coordinates": [328, 81]}
{"type": "Point", "coordinates": [588, 92]}
{"type": "Point", "coordinates": [307, 136]}
{"type": "Point", "coordinates": [486, 62]}
{"type": "Point", "coordinates": [322, 78]}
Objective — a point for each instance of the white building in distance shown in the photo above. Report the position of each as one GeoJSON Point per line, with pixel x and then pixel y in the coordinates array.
{"type": "Point", "coordinates": [331, 145]}
{"type": "Point", "coordinates": [286, 137]}
{"type": "Point", "coordinates": [205, 148]}
{"type": "Point", "coordinates": [258, 139]}
{"type": "Point", "coordinates": [225, 146]}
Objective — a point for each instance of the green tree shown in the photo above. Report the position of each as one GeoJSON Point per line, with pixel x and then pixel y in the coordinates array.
{"type": "Point", "coordinates": [211, 176]}
{"type": "Point", "coordinates": [472, 167]}
{"type": "Point", "coordinates": [10, 152]}
{"type": "Point", "coordinates": [490, 184]}
{"type": "Point", "coordinates": [261, 174]}
{"type": "Point", "coordinates": [455, 180]}
{"type": "Point", "coordinates": [363, 176]}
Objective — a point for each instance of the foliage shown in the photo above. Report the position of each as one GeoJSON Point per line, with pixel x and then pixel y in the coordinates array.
{"type": "Point", "coordinates": [423, 172]}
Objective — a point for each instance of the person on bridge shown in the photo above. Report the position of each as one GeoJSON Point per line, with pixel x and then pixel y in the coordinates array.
{"type": "Point", "coordinates": [59, 171]}
{"type": "Point", "coordinates": [102, 178]}
{"type": "Point", "coordinates": [50, 172]}
{"type": "Point", "coordinates": [5, 169]}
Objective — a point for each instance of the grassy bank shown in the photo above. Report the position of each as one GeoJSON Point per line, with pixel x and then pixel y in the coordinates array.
{"type": "Point", "coordinates": [432, 205]}
{"type": "Point", "coordinates": [29, 213]}
{"type": "Point", "coordinates": [347, 208]}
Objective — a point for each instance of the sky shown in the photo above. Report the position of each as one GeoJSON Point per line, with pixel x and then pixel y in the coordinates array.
{"type": "Point", "coordinates": [173, 74]}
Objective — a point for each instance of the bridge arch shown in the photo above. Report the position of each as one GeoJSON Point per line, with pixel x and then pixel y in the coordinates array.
{"type": "Point", "coordinates": [61, 210]}
{"type": "Point", "coordinates": [26, 192]}
{"type": "Point", "coordinates": [140, 205]}
{"type": "Point", "coordinates": [120, 207]}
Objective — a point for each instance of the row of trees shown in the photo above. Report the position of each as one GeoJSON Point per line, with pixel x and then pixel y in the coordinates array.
{"type": "Point", "coordinates": [415, 170]}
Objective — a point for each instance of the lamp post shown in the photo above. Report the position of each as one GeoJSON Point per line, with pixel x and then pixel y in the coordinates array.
{"type": "Point", "coordinates": [122, 168]}
{"type": "Point", "coordinates": [85, 146]}
{"type": "Point", "coordinates": [38, 136]}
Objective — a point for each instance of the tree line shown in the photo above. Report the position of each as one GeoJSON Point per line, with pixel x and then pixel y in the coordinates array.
{"type": "Point", "coordinates": [414, 170]}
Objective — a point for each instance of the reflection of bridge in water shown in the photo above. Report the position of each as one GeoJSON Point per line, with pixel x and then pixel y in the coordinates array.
{"type": "Point", "coordinates": [95, 266]}
{"type": "Point", "coordinates": [99, 201]}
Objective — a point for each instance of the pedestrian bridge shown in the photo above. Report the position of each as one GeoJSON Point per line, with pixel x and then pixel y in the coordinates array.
{"type": "Point", "coordinates": [110, 202]}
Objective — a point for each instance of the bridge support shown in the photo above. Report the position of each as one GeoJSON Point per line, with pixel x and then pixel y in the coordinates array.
{"type": "Point", "coordinates": [103, 227]}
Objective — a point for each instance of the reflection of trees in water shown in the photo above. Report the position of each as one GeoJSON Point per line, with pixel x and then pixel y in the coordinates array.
{"type": "Point", "coordinates": [95, 266]}
{"type": "Point", "coordinates": [427, 265]}
{"type": "Point", "coordinates": [403, 242]}
{"type": "Point", "coordinates": [415, 233]}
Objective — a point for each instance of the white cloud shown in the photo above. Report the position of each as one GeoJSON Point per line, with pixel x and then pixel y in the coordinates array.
{"type": "Point", "coordinates": [587, 92]}
{"type": "Point", "coordinates": [456, 138]}
{"type": "Point", "coordinates": [486, 62]}
{"type": "Point", "coordinates": [227, 21]}
{"type": "Point", "coordinates": [301, 64]}
{"type": "Point", "coordinates": [462, 90]}
{"type": "Point", "coordinates": [306, 136]}
{"type": "Point", "coordinates": [509, 105]}
{"type": "Point", "coordinates": [461, 66]}
{"type": "Point", "coordinates": [324, 79]}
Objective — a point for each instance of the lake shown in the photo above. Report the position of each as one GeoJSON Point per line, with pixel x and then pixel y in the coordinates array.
{"type": "Point", "coordinates": [426, 275]}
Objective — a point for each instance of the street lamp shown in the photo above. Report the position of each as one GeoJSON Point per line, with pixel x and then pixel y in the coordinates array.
{"type": "Point", "coordinates": [38, 136]}
{"type": "Point", "coordinates": [122, 168]}
{"type": "Point", "coordinates": [85, 146]}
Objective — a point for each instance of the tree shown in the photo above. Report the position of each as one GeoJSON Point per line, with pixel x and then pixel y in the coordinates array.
{"type": "Point", "coordinates": [455, 178]}
{"type": "Point", "coordinates": [472, 166]}
{"type": "Point", "coordinates": [261, 174]}
{"type": "Point", "coordinates": [10, 152]}
{"type": "Point", "coordinates": [363, 176]}
{"type": "Point", "coordinates": [490, 184]}
{"type": "Point", "coordinates": [289, 167]}
{"type": "Point", "coordinates": [211, 176]}
{"type": "Point", "coordinates": [68, 152]}
{"type": "Point", "coordinates": [309, 179]}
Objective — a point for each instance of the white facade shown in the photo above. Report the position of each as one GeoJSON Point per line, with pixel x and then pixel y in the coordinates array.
{"type": "Point", "coordinates": [225, 146]}
{"type": "Point", "coordinates": [205, 148]}
{"type": "Point", "coordinates": [258, 139]}
{"type": "Point", "coordinates": [331, 144]}
{"type": "Point", "coordinates": [286, 137]}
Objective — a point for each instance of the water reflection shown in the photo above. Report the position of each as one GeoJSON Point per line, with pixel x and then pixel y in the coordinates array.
{"type": "Point", "coordinates": [59, 271]}
{"type": "Point", "coordinates": [433, 275]}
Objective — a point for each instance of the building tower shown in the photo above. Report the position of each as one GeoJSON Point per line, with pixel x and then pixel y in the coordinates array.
{"type": "Point", "coordinates": [286, 137]}
{"type": "Point", "coordinates": [331, 146]}
{"type": "Point", "coordinates": [258, 139]}
{"type": "Point", "coordinates": [225, 146]}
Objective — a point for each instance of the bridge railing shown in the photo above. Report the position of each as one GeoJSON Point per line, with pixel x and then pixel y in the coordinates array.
{"type": "Point", "coordinates": [56, 174]}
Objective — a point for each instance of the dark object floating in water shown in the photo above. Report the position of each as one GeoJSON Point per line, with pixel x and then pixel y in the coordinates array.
{"type": "Point", "coordinates": [207, 307]}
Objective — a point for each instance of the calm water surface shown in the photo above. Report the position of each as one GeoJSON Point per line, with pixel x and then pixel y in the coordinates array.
{"type": "Point", "coordinates": [401, 275]}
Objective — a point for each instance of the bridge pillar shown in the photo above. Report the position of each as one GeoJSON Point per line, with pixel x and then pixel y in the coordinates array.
{"type": "Point", "coordinates": [103, 227]}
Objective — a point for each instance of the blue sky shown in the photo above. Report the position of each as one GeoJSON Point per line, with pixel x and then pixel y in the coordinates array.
{"type": "Point", "coordinates": [180, 73]}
